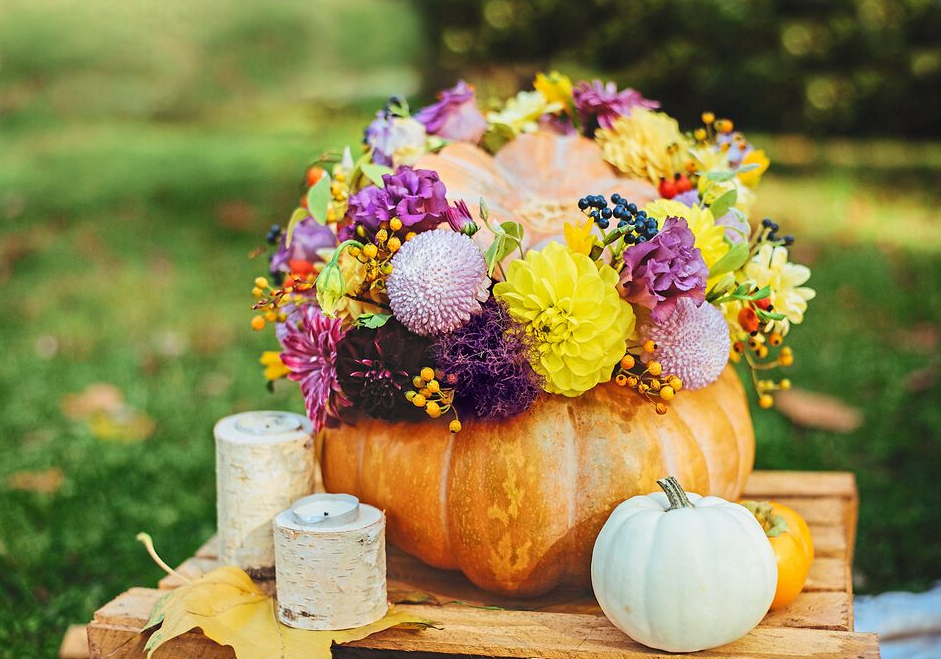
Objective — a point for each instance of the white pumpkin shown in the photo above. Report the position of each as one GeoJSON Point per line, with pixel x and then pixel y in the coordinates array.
{"type": "Point", "coordinates": [682, 572]}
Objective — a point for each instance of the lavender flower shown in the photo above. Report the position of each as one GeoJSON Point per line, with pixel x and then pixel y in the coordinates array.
{"type": "Point", "coordinates": [308, 239]}
{"type": "Point", "coordinates": [600, 104]}
{"type": "Point", "coordinates": [664, 269]}
{"type": "Point", "coordinates": [455, 116]}
{"type": "Point", "coordinates": [310, 352]}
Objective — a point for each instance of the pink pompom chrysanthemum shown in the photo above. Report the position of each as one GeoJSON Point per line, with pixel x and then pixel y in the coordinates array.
{"type": "Point", "coordinates": [310, 352]}
{"type": "Point", "coordinates": [692, 343]}
{"type": "Point", "coordinates": [439, 278]}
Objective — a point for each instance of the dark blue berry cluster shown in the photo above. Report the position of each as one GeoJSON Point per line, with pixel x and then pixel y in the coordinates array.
{"type": "Point", "coordinates": [274, 234]}
{"type": "Point", "coordinates": [773, 232]}
{"type": "Point", "coordinates": [634, 224]}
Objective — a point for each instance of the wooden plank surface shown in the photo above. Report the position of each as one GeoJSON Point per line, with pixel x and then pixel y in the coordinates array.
{"type": "Point", "coordinates": [566, 622]}
{"type": "Point", "coordinates": [114, 633]}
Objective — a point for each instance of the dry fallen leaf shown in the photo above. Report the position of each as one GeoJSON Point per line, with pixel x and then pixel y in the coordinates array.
{"type": "Point", "coordinates": [231, 610]}
{"type": "Point", "coordinates": [47, 481]}
{"type": "Point", "coordinates": [813, 410]}
{"type": "Point", "coordinates": [102, 407]}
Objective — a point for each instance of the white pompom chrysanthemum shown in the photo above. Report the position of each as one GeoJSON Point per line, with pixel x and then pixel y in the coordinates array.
{"type": "Point", "coordinates": [693, 343]}
{"type": "Point", "coordinates": [439, 278]}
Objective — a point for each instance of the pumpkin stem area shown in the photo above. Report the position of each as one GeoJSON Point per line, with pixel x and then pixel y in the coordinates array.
{"type": "Point", "coordinates": [675, 493]}
{"type": "Point", "coordinates": [772, 523]}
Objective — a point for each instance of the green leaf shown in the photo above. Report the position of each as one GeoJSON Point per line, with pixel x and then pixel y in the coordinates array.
{"type": "Point", "coordinates": [373, 320]}
{"type": "Point", "coordinates": [747, 168]}
{"type": "Point", "coordinates": [509, 236]}
{"type": "Point", "coordinates": [722, 205]}
{"type": "Point", "coordinates": [318, 199]}
{"type": "Point", "coordinates": [733, 260]}
{"type": "Point", "coordinates": [760, 293]}
{"type": "Point", "coordinates": [741, 289]}
{"type": "Point", "coordinates": [720, 176]}
{"type": "Point", "coordinates": [770, 315]}
{"type": "Point", "coordinates": [299, 215]}
{"type": "Point", "coordinates": [374, 172]}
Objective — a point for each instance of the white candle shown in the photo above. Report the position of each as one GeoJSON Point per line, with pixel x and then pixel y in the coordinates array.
{"type": "Point", "coordinates": [330, 561]}
{"type": "Point", "coordinates": [264, 461]}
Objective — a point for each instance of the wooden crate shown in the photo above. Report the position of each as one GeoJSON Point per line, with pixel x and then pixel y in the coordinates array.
{"type": "Point", "coordinates": [566, 623]}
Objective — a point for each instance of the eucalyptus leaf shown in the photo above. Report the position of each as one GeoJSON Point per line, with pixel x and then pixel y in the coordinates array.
{"type": "Point", "coordinates": [373, 320]}
{"type": "Point", "coordinates": [733, 260]}
{"type": "Point", "coordinates": [722, 205]}
{"type": "Point", "coordinates": [508, 237]}
{"type": "Point", "coordinates": [299, 215]}
{"type": "Point", "coordinates": [720, 176]}
{"type": "Point", "coordinates": [374, 172]}
{"type": "Point", "coordinates": [318, 199]}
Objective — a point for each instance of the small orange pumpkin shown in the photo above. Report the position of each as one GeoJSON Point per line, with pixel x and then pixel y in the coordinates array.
{"type": "Point", "coordinates": [793, 547]}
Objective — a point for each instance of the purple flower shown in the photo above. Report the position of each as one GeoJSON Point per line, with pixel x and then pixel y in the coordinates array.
{"type": "Point", "coordinates": [308, 238]}
{"type": "Point", "coordinates": [689, 198]}
{"type": "Point", "coordinates": [310, 352]}
{"type": "Point", "coordinates": [601, 104]}
{"type": "Point", "coordinates": [664, 269]}
{"type": "Point", "coordinates": [455, 116]}
{"type": "Point", "coordinates": [556, 123]}
{"type": "Point", "coordinates": [415, 196]}
{"type": "Point", "coordinates": [460, 218]}
{"type": "Point", "coordinates": [736, 226]}
{"type": "Point", "coordinates": [389, 133]}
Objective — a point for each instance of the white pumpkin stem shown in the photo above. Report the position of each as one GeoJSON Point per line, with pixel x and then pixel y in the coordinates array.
{"type": "Point", "coordinates": [675, 493]}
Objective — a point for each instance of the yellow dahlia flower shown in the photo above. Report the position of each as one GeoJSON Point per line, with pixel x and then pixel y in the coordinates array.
{"type": "Point", "coordinates": [572, 310]}
{"type": "Point", "coordinates": [557, 88]}
{"type": "Point", "coordinates": [710, 237]}
{"type": "Point", "coordinates": [645, 144]}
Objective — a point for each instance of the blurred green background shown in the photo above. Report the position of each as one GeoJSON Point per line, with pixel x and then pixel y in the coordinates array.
{"type": "Point", "coordinates": [146, 147]}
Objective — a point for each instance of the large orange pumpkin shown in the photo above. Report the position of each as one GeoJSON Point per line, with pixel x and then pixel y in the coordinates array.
{"type": "Point", "coordinates": [517, 504]}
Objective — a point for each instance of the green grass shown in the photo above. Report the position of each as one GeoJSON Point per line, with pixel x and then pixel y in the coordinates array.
{"type": "Point", "coordinates": [133, 187]}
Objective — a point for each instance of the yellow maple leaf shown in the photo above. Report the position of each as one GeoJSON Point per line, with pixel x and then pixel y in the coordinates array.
{"type": "Point", "coordinates": [231, 610]}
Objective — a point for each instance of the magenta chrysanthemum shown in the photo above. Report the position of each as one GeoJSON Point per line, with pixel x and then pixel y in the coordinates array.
{"type": "Point", "coordinates": [439, 278]}
{"type": "Point", "coordinates": [693, 343]}
{"type": "Point", "coordinates": [310, 352]}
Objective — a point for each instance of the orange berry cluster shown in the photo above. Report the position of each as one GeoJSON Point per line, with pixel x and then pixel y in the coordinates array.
{"type": "Point", "coordinates": [270, 300]}
{"type": "Point", "coordinates": [376, 256]}
{"type": "Point", "coordinates": [756, 352]}
{"type": "Point", "coordinates": [648, 379]}
{"type": "Point", "coordinates": [432, 397]}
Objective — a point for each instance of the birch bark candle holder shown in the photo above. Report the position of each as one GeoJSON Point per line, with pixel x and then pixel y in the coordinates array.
{"type": "Point", "coordinates": [264, 462]}
{"type": "Point", "coordinates": [331, 563]}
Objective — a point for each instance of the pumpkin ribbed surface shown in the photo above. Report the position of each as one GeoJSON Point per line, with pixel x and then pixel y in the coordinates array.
{"type": "Point", "coordinates": [517, 504]}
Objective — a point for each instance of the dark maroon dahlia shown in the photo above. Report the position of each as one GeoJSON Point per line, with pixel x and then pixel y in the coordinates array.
{"type": "Point", "coordinates": [375, 368]}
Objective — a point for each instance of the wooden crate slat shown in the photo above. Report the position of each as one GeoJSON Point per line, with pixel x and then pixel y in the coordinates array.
{"type": "Point", "coordinates": [772, 484]}
{"type": "Point", "coordinates": [509, 634]}
{"type": "Point", "coordinates": [828, 574]}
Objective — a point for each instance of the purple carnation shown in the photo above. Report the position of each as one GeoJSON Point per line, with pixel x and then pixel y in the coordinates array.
{"type": "Point", "coordinates": [415, 196]}
{"type": "Point", "coordinates": [308, 239]}
{"type": "Point", "coordinates": [487, 362]}
{"type": "Point", "coordinates": [600, 104]}
{"type": "Point", "coordinates": [455, 116]}
{"type": "Point", "coordinates": [662, 270]}
{"type": "Point", "coordinates": [310, 352]}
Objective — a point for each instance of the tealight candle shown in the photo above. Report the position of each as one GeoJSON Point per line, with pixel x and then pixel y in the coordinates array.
{"type": "Point", "coordinates": [264, 461]}
{"type": "Point", "coordinates": [330, 563]}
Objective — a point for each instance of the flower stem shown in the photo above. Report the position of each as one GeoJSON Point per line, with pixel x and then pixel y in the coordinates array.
{"type": "Point", "coordinates": [149, 544]}
{"type": "Point", "coordinates": [675, 493]}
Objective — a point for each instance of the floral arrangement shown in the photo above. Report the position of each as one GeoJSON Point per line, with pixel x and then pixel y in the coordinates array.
{"type": "Point", "coordinates": [393, 299]}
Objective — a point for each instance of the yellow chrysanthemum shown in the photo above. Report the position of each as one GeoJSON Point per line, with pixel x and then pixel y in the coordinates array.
{"type": "Point", "coordinates": [578, 236]}
{"type": "Point", "coordinates": [521, 112]}
{"type": "Point", "coordinates": [573, 311]}
{"type": "Point", "coordinates": [557, 88]}
{"type": "Point", "coordinates": [710, 237]}
{"type": "Point", "coordinates": [645, 144]}
{"type": "Point", "coordinates": [752, 177]}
